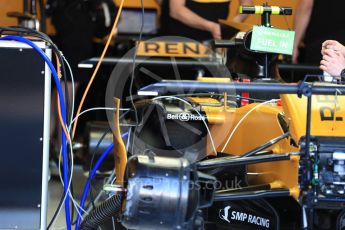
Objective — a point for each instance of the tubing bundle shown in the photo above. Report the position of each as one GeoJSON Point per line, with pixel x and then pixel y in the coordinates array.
{"type": "Point", "coordinates": [105, 211]}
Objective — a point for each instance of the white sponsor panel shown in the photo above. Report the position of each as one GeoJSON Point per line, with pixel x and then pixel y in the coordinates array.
{"type": "Point", "coordinates": [228, 215]}
{"type": "Point", "coordinates": [185, 117]}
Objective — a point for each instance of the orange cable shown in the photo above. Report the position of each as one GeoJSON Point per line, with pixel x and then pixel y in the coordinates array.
{"type": "Point", "coordinates": [58, 66]}
{"type": "Point", "coordinates": [58, 102]}
{"type": "Point", "coordinates": [112, 33]}
{"type": "Point", "coordinates": [61, 121]}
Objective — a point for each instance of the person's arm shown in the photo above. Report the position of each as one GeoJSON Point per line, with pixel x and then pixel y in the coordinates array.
{"type": "Point", "coordinates": [333, 62]}
{"type": "Point", "coordinates": [302, 18]}
{"type": "Point", "coordinates": [180, 12]}
{"type": "Point", "coordinates": [241, 17]}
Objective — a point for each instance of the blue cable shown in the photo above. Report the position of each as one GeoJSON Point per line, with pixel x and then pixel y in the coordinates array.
{"type": "Point", "coordinates": [63, 113]}
{"type": "Point", "coordinates": [93, 173]}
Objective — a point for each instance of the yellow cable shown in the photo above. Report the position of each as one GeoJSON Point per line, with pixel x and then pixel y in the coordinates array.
{"type": "Point", "coordinates": [112, 33]}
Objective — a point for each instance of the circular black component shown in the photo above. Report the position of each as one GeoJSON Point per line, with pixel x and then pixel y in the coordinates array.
{"type": "Point", "coordinates": [159, 194]}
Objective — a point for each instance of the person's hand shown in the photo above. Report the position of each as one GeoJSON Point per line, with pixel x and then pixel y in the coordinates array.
{"type": "Point", "coordinates": [214, 29]}
{"type": "Point", "coordinates": [333, 62]}
{"type": "Point", "coordinates": [334, 45]}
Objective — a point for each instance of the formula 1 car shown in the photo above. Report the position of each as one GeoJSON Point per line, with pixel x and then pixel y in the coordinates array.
{"type": "Point", "coordinates": [204, 154]}
{"type": "Point", "coordinates": [202, 162]}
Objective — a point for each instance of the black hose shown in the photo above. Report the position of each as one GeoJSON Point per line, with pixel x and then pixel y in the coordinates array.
{"type": "Point", "coordinates": [245, 189]}
{"type": "Point", "coordinates": [251, 195]}
{"type": "Point", "coordinates": [168, 86]}
{"type": "Point", "coordinates": [232, 161]}
{"type": "Point", "coordinates": [105, 211]}
{"type": "Point", "coordinates": [266, 145]}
